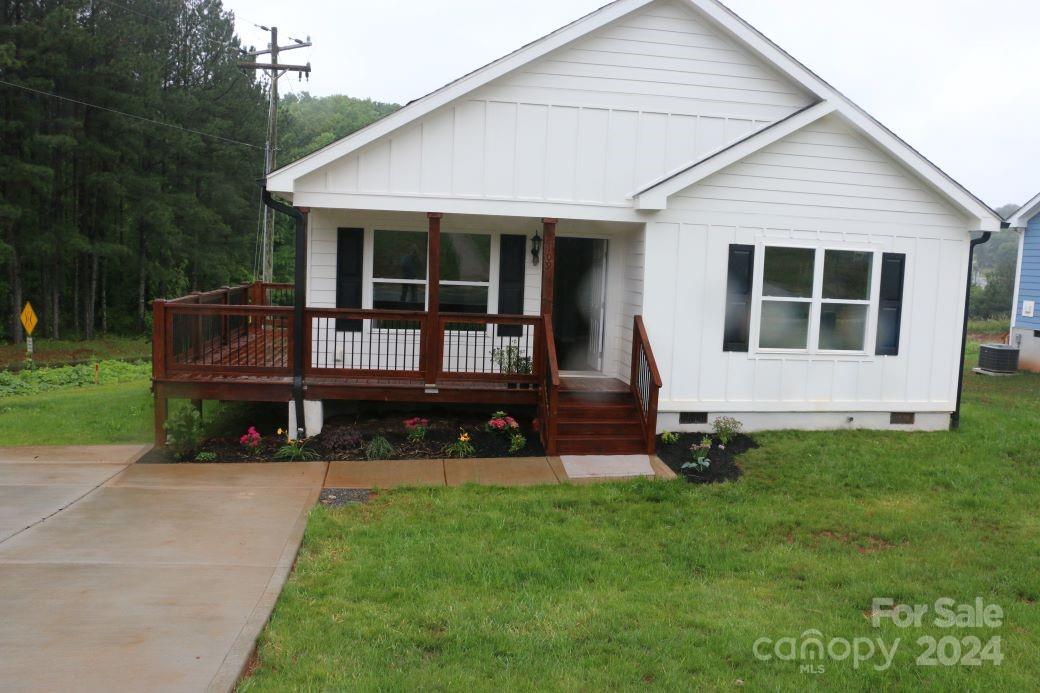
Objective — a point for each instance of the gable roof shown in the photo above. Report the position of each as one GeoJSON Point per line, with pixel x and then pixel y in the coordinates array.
{"type": "Point", "coordinates": [1025, 213]}
{"type": "Point", "coordinates": [725, 19]}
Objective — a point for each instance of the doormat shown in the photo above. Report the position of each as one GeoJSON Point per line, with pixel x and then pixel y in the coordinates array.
{"type": "Point", "coordinates": [597, 466]}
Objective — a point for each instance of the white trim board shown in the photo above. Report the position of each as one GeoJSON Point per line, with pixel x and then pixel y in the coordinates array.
{"type": "Point", "coordinates": [1025, 213]}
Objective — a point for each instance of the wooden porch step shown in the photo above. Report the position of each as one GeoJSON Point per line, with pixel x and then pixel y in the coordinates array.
{"type": "Point", "coordinates": [626, 427]}
{"type": "Point", "coordinates": [611, 411]}
{"type": "Point", "coordinates": [600, 445]}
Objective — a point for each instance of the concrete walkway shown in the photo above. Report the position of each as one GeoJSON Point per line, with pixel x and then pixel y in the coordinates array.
{"type": "Point", "coordinates": [513, 471]}
{"type": "Point", "coordinates": [123, 577]}
{"type": "Point", "coordinates": [156, 577]}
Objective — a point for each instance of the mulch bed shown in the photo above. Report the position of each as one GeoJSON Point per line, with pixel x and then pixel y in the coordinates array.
{"type": "Point", "coordinates": [345, 437]}
{"type": "Point", "coordinates": [723, 465]}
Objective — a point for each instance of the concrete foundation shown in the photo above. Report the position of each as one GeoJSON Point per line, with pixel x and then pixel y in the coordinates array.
{"type": "Point", "coordinates": [809, 421]}
{"type": "Point", "coordinates": [1028, 349]}
{"type": "Point", "coordinates": [313, 417]}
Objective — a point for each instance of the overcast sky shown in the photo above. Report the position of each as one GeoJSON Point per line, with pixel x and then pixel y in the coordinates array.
{"type": "Point", "coordinates": [957, 79]}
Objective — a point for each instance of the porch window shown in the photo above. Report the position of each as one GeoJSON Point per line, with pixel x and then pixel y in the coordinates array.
{"type": "Point", "coordinates": [815, 300]}
{"type": "Point", "coordinates": [399, 271]}
{"type": "Point", "coordinates": [465, 272]}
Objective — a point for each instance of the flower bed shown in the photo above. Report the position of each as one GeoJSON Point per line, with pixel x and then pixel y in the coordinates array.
{"type": "Point", "coordinates": [363, 436]}
{"type": "Point", "coordinates": [682, 453]}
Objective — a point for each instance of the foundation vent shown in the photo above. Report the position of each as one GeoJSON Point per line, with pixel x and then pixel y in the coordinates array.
{"type": "Point", "coordinates": [693, 417]}
{"type": "Point", "coordinates": [901, 417]}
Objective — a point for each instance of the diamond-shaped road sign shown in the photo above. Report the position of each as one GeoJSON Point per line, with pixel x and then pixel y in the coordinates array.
{"type": "Point", "coordinates": [28, 318]}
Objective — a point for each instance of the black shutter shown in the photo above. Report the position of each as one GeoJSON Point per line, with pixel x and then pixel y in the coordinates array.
{"type": "Point", "coordinates": [350, 251]}
{"type": "Point", "coordinates": [890, 306]}
{"type": "Point", "coordinates": [511, 265]}
{"type": "Point", "coordinates": [738, 297]}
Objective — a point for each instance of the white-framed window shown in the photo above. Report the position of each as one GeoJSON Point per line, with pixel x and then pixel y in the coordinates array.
{"type": "Point", "coordinates": [399, 271]}
{"type": "Point", "coordinates": [816, 300]}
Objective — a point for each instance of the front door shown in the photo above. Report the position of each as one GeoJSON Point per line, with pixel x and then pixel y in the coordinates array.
{"type": "Point", "coordinates": [579, 298]}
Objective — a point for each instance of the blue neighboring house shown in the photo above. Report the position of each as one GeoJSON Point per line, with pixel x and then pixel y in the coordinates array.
{"type": "Point", "coordinates": [1025, 313]}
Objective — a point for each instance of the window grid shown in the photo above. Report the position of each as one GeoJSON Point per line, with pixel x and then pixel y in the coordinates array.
{"type": "Point", "coordinates": [816, 303]}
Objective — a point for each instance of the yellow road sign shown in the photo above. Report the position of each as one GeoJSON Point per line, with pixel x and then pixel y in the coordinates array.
{"type": "Point", "coordinates": [28, 317]}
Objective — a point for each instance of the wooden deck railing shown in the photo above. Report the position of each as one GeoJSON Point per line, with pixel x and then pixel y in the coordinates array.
{"type": "Point", "coordinates": [245, 330]}
{"type": "Point", "coordinates": [645, 381]}
{"type": "Point", "coordinates": [548, 403]}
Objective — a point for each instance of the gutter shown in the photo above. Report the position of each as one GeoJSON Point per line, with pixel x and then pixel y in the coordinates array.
{"type": "Point", "coordinates": [299, 216]}
{"type": "Point", "coordinates": [955, 418]}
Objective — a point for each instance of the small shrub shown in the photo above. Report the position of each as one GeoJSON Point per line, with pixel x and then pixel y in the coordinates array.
{"type": "Point", "coordinates": [700, 461]}
{"type": "Point", "coordinates": [296, 450]}
{"type": "Point", "coordinates": [669, 437]}
{"type": "Point", "coordinates": [726, 429]}
{"type": "Point", "coordinates": [510, 360]}
{"type": "Point", "coordinates": [250, 440]}
{"type": "Point", "coordinates": [417, 428]}
{"type": "Point", "coordinates": [379, 448]}
{"type": "Point", "coordinates": [184, 432]}
{"type": "Point", "coordinates": [341, 439]}
{"type": "Point", "coordinates": [517, 442]}
{"type": "Point", "coordinates": [206, 457]}
{"type": "Point", "coordinates": [461, 447]}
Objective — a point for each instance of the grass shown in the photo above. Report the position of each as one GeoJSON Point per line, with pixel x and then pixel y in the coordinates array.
{"type": "Point", "coordinates": [119, 413]}
{"type": "Point", "coordinates": [61, 351]}
{"type": "Point", "coordinates": [994, 326]}
{"type": "Point", "coordinates": [617, 586]}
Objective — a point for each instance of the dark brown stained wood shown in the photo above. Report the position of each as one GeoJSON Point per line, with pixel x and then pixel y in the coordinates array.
{"type": "Point", "coordinates": [548, 263]}
{"type": "Point", "coordinates": [432, 362]}
{"type": "Point", "coordinates": [215, 347]}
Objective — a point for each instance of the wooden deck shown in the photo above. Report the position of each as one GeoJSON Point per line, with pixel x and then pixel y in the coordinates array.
{"type": "Point", "coordinates": [232, 344]}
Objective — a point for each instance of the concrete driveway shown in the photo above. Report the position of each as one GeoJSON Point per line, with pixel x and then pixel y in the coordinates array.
{"type": "Point", "coordinates": [117, 576]}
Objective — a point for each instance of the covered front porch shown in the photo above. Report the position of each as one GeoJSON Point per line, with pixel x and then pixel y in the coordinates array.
{"type": "Point", "coordinates": [419, 308]}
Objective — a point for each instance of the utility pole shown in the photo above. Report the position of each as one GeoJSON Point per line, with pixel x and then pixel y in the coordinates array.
{"type": "Point", "coordinates": [275, 70]}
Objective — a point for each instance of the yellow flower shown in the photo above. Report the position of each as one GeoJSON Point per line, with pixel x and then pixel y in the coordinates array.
{"type": "Point", "coordinates": [280, 431]}
{"type": "Point", "coordinates": [464, 438]}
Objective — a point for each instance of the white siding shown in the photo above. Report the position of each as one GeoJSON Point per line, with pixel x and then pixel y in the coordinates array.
{"type": "Point", "coordinates": [590, 123]}
{"type": "Point", "coordinates": [826, 187]}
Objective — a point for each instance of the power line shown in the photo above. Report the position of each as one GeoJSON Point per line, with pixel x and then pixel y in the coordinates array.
{"type": "Point", "coordinates": [130, 115]}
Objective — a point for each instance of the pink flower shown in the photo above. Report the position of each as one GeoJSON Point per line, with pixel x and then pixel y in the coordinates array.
{"type": "Point", "coordinates": [497, 423]}
{"type": "Point", "coordinates": [512, 422]}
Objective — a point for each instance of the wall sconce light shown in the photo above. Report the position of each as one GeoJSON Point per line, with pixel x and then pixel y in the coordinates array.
{"type": "Point", "coordinates": [536, 247]}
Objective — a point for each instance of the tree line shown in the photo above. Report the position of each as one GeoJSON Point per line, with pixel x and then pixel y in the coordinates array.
{"type": "Point", "coordinates": [130, 154]}
{"type": "Point", "coordinates": [102, 207]}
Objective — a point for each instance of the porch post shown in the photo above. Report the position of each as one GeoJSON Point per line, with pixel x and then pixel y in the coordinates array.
{"type": "Point", "coordinates": [434, 341]}
{"type": "Point", "coordinates": [548, 263]}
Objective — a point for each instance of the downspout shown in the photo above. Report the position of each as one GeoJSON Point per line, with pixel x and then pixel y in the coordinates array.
{"type": "Point", "coordinates": [955, 418]}
{"type": "Point", "coordinates": [299, 299]}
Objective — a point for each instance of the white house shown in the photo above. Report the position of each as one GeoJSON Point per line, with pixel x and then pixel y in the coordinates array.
{"type": "Point", "coordinates": [795, 263]}
{"type": "Point", "coordinates": [1025, 311]}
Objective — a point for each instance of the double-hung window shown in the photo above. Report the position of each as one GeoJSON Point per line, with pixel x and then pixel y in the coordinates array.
{"type": "Point", "coordinates": [815, 300]}
{"type": "Point", "coordinates": [400, 272]}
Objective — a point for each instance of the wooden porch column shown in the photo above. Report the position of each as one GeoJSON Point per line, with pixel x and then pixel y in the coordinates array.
{"type": "Point", "coordinates": [434, 341]}
{"type": "Point", "coordinates": [548, 263]}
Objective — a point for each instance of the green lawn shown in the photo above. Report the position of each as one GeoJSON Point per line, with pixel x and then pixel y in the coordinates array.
{"type": "Point", "coordinates": [119, 413]}
{"type": "Point", "coordinates": [622, 585]}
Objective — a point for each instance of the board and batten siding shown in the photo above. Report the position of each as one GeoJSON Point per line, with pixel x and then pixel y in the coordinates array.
{"type": "Point", "coordinates": [822, 186]}
{"type": "Point", "coordinates": [588, 124]}
{"type": "Point", "coordinates": [1029, 276]}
